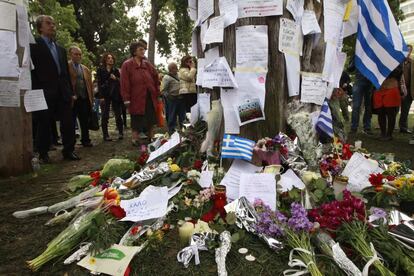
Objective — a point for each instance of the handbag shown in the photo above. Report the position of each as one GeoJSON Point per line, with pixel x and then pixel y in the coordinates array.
{"type": "Point", "coordinates": [93, 123]}
{"type": "Point", "coordinates": [160, 114]}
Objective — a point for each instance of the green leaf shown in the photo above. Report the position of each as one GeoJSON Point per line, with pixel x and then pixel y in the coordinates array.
{"type": "Point", "coordinates": [231, 218]}
{"type": "Point", "coordinates": [320, 184]}
{"type": "Point", "coordinates": [318, 193]}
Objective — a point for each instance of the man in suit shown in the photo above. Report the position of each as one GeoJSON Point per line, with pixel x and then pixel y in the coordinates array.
{"type": "Point", "coordinates": [81, 80]}
{"type": "Point", "coordinates": [51, 74]}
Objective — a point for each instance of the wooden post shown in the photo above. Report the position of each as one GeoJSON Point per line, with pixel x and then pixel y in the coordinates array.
{"type": "Point", "coordinates": [276, 82]}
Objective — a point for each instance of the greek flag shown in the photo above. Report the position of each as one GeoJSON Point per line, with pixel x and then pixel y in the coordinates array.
{"type": "Point", "coordinates": [324, 123]}
{"type": "Point", "coordinates": [237, 148]}
{"type": "Point", "coordinates": [380, 47]}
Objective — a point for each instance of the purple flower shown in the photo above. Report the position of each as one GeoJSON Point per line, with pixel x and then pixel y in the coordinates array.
{"type": "Point", "coordinates": [299, 220]}
{"type": "Point", "coordinates": [278, 139]}
{"type": "Point", "coordinates": [378, 213]}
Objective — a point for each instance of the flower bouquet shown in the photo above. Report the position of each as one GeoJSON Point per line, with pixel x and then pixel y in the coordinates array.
{"type": "Point", "coordinates": [267, 151]}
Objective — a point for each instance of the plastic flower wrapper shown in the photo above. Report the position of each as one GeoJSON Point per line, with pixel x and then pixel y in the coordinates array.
{"type": "Point", "coordinates": [199, 241]}
{"type": "Point", "coordinates": [293, 154]}
{"type": "Point", "coordinates": [401, 227]}
{"type": "Point", "coordinates": [117, 167]}
{"type": "Point", "coordinates": [222, 251]}
{"type": "Point", "coordinates": [147, 174]}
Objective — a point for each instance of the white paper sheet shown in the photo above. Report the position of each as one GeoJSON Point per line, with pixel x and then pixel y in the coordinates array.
{"type": "Point", "coordinates": [9, 93]}
{"type": "Point", "coordinates": [215, 31]}
{"type": "Point", "coordinates": [151, 203]}
{"type": "Point", "coordinates": [192, 9]}
{"type": "Point", "coordinates": [34, 100]}
{"type": "Point", "coordinates": [203, 101]}
{"type": "Point", "coordinates": [174, 190]}
{"type": "Point", "coordinates": [295, 7]}
{"type": "Point", "coordinates": [333, 11]}
{"type": "Point", "coordinates": [290, 37]}
{"type": "Point", "coordinates": [8, 16]}
{"type": "Point", "coordinates": [309, 23]}
{"type": "Point", "coordinates": [206, 179]}
{"type": "Point", "coordinates": [229, 9]}
{"type": "Point", "coordinates": [194, 43]}
{"type": "Point", "coordinates": [112, 261]}
{"type": "Point", "coordinates": [313, 89]}
{"type": "Point", "coordinates": [358, 170]}
{"type": "Point", "coordinates": [251, 85]}
{"type": "Point", "coordinates": [351, 25]}
{"type": "Point", "coordinates": [201, 63]}
{"type": "Point", "coordinates": [195, 114]}
{"type": "Point", "coordinates": [218, 73]}
{"type": "Point", "coordinates": [293, 74]}
{"type": "Point", "coordinates": [338, 69]}
{"type": "Point", "coordinates": [232, 178]}
{"type": "Point", "coordinates": [259, 186]}
{"type": "Point", "coordinates": [171, 143]}
{"type": "Point", "coordinates": [25, 79]}
{"type": "Point", "coordinates": [8, 57]}
{"type": "Point", "coordinates": [260, 8]}
{"type": "Point", "coordinates": [252, 46]}
{"type": "Point", "coordinates": [289, 179]}
{"type": "Point", "coordinates": [205, 9]}
{"type": "Point", "coordinates": [231, 124]}
{"type": "Point", "coordinates": [203, 30]}
{"type": "Point", "coordinates": [211, 55]}
{"type": "Point", "coordinates": [329, 61]}
{"type": "Point", "coordinates": [22, 26]}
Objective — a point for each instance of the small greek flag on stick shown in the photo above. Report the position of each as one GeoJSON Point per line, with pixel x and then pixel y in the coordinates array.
{"type": "Point", "coordinates": [380, 47]}
{"type": "Point", "coordinates": [237, 148]}
{"type": "Point", "coordinates": [324, 123]}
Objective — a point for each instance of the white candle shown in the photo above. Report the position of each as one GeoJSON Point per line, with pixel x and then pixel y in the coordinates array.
{"type": "Point", "coordinates": [185, 232]}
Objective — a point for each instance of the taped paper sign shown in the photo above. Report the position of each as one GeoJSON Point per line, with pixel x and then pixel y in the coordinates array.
{"type": "Point", "coordinates": [252, 46]}
{"type": "Point", "coordinates": [218, 73]}
{"type": "Point", "coordinates": [313, 89]}
{"type": "Point", "coordinates": [259, 8]}
{"type": "Point", "coordinates": [290, 37]}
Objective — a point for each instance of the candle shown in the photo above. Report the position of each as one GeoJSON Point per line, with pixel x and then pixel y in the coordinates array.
{"type": "Point", "coordinates": [186, 231]}
{"type": "Point", "coordinates": [358, 144]}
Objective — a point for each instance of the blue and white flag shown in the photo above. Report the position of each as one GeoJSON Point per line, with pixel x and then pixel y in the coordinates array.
{"type": "Point", "coordinates": [380, 46]}
{"type": "Point", "coordinates": [324, 123]}
{"type": "Point", "coordinates": [237, 148]}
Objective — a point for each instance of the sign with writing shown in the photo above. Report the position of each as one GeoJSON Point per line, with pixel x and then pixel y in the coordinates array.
{"type": "Point", "coordinates": [258, 8]}
{"type": "Point", "coordinates": [313, 89]}
{"type": "Point", "coordinates": [151, 203]}
{"type": "Point", "coordinates": [252, 46]}
{"type": "Point", "coordinates": [290, 37]}
{"type": "Point", "coordinates": [218, 73]}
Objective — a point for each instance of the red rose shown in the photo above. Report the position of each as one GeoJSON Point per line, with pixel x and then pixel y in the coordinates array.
{"type": "Point", "coordinates": [117, 211]}
{"type": "Point", "coordinates": [198, 164]}
{"type": "Point", "coordinates": [209, 216]}
{"type": "Point", "coordinates": [96, 177]}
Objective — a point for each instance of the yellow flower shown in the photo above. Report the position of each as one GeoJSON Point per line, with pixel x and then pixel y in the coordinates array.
{"type": "Point", "coordinates": [398, 183]}
{"type": "Point", "coordinates": [169, 161]}
{"type": "Point", "coordinates": [92, 261]}
{"type": "Point", "coordinates": [175, 168]}
{"type": "Point", "coordinates": [187, 201]}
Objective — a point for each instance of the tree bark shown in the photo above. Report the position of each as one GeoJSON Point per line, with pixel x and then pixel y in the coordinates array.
{"type": "Point", "coordinates": [156, 6]}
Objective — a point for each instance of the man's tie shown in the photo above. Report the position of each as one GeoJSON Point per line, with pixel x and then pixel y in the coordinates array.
{"type": "Point", "coordinates": [55, 55]}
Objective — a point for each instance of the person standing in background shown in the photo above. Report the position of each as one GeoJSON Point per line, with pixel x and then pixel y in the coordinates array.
{"type": "Point", "coordinates": [187, 76]}
{"type": "Point", "coordinates": [109, 90]}
{"type": "Point", "coordinates": [51, 74]}
{"type": "Point", "coordinates": [408, 76]}
{"type": "Point", "coordinates": [174, 101]}
{"type": "Point", "coordinates": [140, 91]}
{"type": "Point", "coordinates": [81, 80]}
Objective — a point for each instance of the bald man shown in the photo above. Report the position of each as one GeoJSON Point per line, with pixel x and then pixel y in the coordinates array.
{"type": "Point", "coordinates": [81, 80]}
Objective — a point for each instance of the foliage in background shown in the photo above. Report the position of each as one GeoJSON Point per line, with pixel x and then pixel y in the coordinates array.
{"type": "Point", "coordinates": [66, 24]}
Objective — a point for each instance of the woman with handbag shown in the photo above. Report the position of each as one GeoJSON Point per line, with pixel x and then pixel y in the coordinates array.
{"type": "Point", "coordinates": [109, 90]}
{"type": "Point", "coordinates": [386, 102]}
{"type": "Point", "coordinates": [140, 91]}
{"type": "Point", "coordinates": [187, 76]}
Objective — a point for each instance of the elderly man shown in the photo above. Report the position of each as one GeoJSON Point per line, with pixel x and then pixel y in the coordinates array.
{"type": "Point", "coordinates": [81, 81]}
{"type": "Point", "coordinates": [51, 74]}
{"type": "Point", "coordinates": [174, 102]}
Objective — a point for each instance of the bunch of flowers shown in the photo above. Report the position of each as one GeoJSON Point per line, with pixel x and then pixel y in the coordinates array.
{"type": "Point", "coordinates": [112, 200]}
{"type": "Point", "coordinates": [203, 197]}
{"type": "Point", "coordinates": [330, 164]}
{"type": "Point", "coordinates": [378, 180]}
{"type": "Point", "coordinates": [397, 169]}
{"type": "Point", "coordinates": [269, 221]}
{"type": "Point", "coordinates": [331, 215]}
{"type": "Point", "coordinates": [268, 150]}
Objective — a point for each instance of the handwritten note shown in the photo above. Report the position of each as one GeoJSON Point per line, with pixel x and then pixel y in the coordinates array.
{"type": "Point", "coordinates": [232, 178]}
{"type": "Point", "coordinates": [252, 46]}
{"type": "Point", "coordinates": [206, 179]}
{"type": "Point", "coordinates": [313, 89]}
{"type": "Point", "coordinates": [309, 23]}
{"type": "Point", "coordinates": [218, 73]}
{"type": "Point", "coordinates": [215, 31]}
{"type": "Point", "coordinates": [293, 73]}
{"type": "Point", "coordinates": [295, 7]}
{"type": "Point", "coordinates": [205, 9]}
{"type": "Point", "coordinates": [9, 93]}
{"type": "Point", "coordinates": [358, 170]}
{"type": "Point", "coordinates": [34, 100]}
{"type": "Point", "coordinates": [229, 9]}
{"type": "Point", "coordinates": [8, 57]}
{"type": "Point", "coordinates": [151, 203]}
{"type": "Point", "coordinates": [289, 179]}
{"type": "Point", "coordinates": [231, 123]}
{"type": "Point", "coordinates": [8, 16]}
{"type": "Point", "coordinates": [259, 8]}
{"type": "Point", "coordinates": [171, 143]}
{"type": "Point", "coordinates": [290, 37]}
{"type": "Point", "coordinates": [259, 186]}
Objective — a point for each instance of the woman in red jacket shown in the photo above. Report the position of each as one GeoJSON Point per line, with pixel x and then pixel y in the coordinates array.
{"type": "Point", "coordinates": [140, 90]}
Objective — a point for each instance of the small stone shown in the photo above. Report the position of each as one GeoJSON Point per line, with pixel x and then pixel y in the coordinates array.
{"type": "Point", "coordinates": [243, 250]}
{"type": "Point", "coordinates": [250, 258]}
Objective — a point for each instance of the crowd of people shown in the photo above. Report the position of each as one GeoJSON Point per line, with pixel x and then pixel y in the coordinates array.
{"type": "Point", "coordinates": [72, 95]}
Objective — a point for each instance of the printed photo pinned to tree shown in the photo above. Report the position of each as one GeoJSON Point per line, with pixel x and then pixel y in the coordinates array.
{"type": "Point", "coordinates": [248, 111]}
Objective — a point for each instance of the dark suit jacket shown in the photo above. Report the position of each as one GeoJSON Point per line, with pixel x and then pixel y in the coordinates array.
{"type": "Point", "coordinates": [45, 74]}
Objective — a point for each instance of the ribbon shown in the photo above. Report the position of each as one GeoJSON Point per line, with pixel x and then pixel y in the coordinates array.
{"type": "Point", "coordinates": [198, 242]}
{"type": "Point", "coordinates": [302, 267]}
{"type": "Point", "coordinates": [374, 258]}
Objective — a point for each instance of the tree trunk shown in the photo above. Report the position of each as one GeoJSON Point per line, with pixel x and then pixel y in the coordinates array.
{"type": "Point", "coordinates": [155, 14]}
{"type": "Point", "coordinates": [276, 81]}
